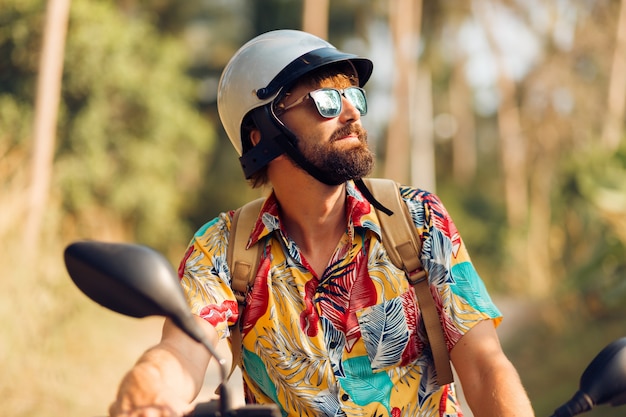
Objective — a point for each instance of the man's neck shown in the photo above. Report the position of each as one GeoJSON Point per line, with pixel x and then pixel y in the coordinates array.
{"type": "Point", "coordinates": [313, 215]}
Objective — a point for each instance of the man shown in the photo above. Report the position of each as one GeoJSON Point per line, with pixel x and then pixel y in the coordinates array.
{"type": "Point", "coordinates": [331, 326]}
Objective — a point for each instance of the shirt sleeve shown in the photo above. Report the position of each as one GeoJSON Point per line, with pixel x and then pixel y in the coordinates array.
{"type": "Point", "coordinates": [463, 299]}
{"type": "Point", "coordinates": [205, 276]}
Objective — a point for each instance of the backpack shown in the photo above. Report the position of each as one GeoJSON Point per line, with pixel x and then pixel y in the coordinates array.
{"type": "Point", "coordinates": [401, 242]}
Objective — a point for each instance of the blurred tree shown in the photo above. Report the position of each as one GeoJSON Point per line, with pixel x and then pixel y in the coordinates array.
{"type": "Point", "coordinates": [131, 144]}
{"type": "Point", "coordinates": [567, 235]}
{"type": "Point", "coordinates": [616, 104]}
{"type": "Point", "coordinates": [315, 17]}
{"type": "Point", "coordinates": [557, 68]}
{"type": "Point", "coordinates": [513, 153]}
{"type": "Point", "coordinates": [18, 68]}
{"type": "Point", "coordinates": [134, 144]}
{"type": "Point", "coordinates": [599, 193]}
{"type": "Point", "coordinates": [46, 112]}
{"type": "Point", "coordinates": [275, 14]}
{"type": "Point", "coordinates": [462, 130]}
{"type": "Point", "coordinates": [409, 154]}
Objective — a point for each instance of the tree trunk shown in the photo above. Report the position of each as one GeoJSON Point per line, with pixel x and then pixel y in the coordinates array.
{"type": "Point", "coordinates": [464, 150]}
{"type": "Point", "coordinates": [46, 111]}
{"type": "Point", "coordinates": [541, 268]}
{"type": "Point", "coordinates": [513, 157]}
{"type": "Point", "coordinates": [421, 126]}
{"type": "Point", "coordinates": [512, 144]}
{"type": "Point", "coordinates": [315, 17]}
{"type": "Point", "coordinates": [405, 22]}
{"type": "Point", "coordinates": [614, 123]}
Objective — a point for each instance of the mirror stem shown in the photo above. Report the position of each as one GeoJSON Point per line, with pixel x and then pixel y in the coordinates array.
{"type": "Point", "coordinates": [187, 323]}
{"type": "Point", "coordinates": [579, 403]}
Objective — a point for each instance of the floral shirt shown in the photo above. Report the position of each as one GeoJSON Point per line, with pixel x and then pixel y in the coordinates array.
{"type": "Point", "coordinates": [350, 342]}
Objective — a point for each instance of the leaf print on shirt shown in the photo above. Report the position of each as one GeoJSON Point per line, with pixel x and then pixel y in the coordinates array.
{"type": "Point", "coordinates": [258, 298]}
{"type": "Point", "coordinates": [344, 290]}
{"type": "Point", "coordinates": [183, 262]}
{"type": "Point", "coordinates": [414, 345]}
{"type": "Point", "coordinates": [442, 221]}
{"type": "Point", "coordinates": [472, 289]}
{"type": "Point", "coordinates": [327, 404]}
{"type": "Point", "coordinates": [335, 342]}
{"type": "Point", "coordinates": [258, 371]}
{"type": "Point", "coordinates": [290, 364]}
{"type": "Point", "coordinates": [199, 289]}
{"type": "Point", "coordinates": [216, 314]}
{"type": "Point", "coordinates": [309, 317]}
{"type": "Point", "coordinates": [385, 333]}
{"type": "Point", "coordinates": [364, 386]}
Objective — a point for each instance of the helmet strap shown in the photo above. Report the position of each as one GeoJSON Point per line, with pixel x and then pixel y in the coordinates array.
{"type": "Point", "coordinates": [260, 155]}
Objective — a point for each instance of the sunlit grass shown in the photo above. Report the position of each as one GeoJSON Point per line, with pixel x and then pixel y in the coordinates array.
{"type": "Point", "coordinates": [60, 353]}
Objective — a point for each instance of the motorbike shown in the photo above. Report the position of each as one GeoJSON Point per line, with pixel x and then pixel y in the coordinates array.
{"type": "Point", "coordinates": [138, 281]}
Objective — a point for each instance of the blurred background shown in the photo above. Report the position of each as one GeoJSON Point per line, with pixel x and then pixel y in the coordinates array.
{"type": "Point", "coordinates": [511, 110]}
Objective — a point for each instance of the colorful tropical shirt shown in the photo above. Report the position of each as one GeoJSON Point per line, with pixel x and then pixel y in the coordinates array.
{"type": "Point", "coordinates": [350, 342]}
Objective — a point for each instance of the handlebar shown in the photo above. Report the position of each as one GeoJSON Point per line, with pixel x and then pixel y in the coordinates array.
{"type": "Point", "coordinates": [212, 409]}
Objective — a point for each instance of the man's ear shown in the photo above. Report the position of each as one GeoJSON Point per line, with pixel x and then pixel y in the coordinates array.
{"type": "Point", "coordinates": [255, 136]}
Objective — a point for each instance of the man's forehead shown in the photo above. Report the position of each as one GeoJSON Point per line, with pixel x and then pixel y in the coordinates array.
{"type": "Point", "coordinates": [338, 79]}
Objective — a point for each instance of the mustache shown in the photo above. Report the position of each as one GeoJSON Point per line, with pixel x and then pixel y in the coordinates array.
{"type": "Point", "coordinates": [349, 130]}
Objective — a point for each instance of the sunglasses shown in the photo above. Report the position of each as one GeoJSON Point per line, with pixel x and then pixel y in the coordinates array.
{"type": "Point", "coordinates": [328, 101]}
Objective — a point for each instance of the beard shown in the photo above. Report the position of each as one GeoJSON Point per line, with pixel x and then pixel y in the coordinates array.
{"type": "Point", "coordinates": [340, 163]}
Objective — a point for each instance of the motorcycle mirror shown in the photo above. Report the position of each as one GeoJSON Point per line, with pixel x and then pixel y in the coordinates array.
{"type": "Point", "coordinates": [129, 279]}
{"type": "Point", "coordinates": [602, 382]}
{"type": "Point", "coordinates": [136, 281]}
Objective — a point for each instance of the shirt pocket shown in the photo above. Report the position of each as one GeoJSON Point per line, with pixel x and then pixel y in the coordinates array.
{"type": "Point", "coordinates": [389, 332]}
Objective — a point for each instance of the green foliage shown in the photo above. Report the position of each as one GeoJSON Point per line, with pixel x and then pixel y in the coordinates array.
{"type": "Point", "coordinates": [21, 24]}
{"type": "Point", "coordinates": [479, 218]}
{"type": "Point", "coordinates": [131, 144]}
{"type": "Point", "coordinates": [595, 203]}
{"type": "Point", "coordinates": [130, 139]}
{"type": "Point", "coordinates": [20, 30]}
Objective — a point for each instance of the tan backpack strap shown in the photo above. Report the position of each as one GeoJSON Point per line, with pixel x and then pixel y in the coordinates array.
{"type": "Point", "coordinates": [243, 264]}
{"type": "Point", "coordinates": [403, 246]}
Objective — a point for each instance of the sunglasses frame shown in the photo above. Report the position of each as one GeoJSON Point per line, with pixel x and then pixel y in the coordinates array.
{"type": "Point", "coordinates": [341, 91]}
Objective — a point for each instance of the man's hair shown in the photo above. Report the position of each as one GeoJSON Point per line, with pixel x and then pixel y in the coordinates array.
{"type": "Point", "coordinates": [339, 72]}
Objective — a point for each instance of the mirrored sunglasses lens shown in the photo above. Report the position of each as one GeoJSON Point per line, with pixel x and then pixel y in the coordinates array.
{"type": "Point", "coordinates": [356, 96]}
{"type": "Point", "coordinates": [328, 102]}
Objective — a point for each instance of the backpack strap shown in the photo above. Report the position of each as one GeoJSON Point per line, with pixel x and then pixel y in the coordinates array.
{"type": "Point", "coordinates": [403, 245]}
{"type": "Point", "coordinates": [243, 264]}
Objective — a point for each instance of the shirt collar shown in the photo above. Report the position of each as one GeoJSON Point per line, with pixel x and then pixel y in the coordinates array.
{"type": "Point", "coordinates": [359, 215]}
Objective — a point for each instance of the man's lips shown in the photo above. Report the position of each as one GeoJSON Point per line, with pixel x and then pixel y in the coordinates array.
{"type": "Point", "coordinates": [353, 136]}
{"type": "Point", "coordinates": [349, 132]}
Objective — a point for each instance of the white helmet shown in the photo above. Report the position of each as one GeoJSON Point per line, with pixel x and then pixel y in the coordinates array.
{"type": "Point", "coordinates": [257, 74]}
